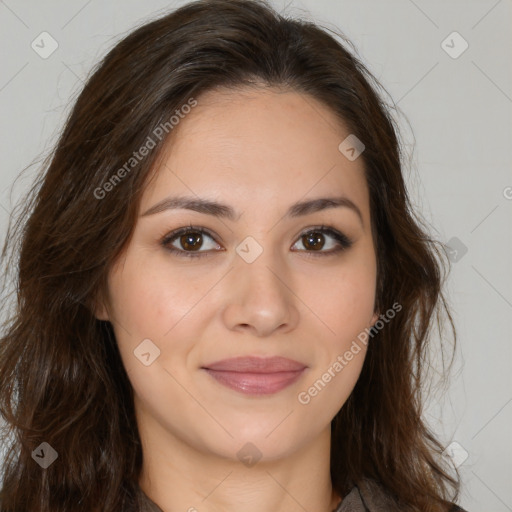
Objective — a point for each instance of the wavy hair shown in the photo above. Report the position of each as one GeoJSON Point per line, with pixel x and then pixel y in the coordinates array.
{"type": "Point", "coordinates": [62, 378]}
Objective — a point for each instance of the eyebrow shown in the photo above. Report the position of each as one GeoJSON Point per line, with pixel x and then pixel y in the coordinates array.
{"type": "Point", "coordinates": [225, 211]}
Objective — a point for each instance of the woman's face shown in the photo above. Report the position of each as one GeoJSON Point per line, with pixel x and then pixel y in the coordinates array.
{"type": "Point", "coordinates": [264, 282]}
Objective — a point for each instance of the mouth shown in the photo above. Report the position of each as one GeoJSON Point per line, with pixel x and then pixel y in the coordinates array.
{"type": "Point", "coordinates": [256, 375]}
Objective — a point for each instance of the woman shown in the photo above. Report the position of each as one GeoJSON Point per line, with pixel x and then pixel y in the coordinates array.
{"type": "Point", "coordinates": [224, 299]}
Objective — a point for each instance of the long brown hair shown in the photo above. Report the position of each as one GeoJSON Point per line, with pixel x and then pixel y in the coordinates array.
{"type": "Point", "coordinates": [62, 378]}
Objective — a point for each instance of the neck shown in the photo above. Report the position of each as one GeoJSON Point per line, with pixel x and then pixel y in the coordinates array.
{"type": "Point", "coordinates": [177, 476]}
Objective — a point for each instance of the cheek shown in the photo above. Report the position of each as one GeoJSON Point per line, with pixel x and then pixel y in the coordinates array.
{"type": "Point", "coordinates": [152, 302]}
{"type": "Point", "coordinates": [331, 384]}
{"type": "Point", "coordinates": [149, 298]}
{"type": "Point", "coordinates": [351, 312]}
{"type": "Point", "coordinates": [347, 298]}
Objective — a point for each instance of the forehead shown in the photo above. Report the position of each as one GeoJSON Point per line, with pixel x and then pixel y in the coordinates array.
{"type": "Point", "coordinates": [255, 147]}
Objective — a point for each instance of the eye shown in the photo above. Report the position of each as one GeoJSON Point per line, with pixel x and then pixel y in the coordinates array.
{"type": "Point", "coordinates": [187, 241]}
{"type": "Point", "coordinates": [314, 240]}
{"type": "Point", "coordinates": [190, 239]}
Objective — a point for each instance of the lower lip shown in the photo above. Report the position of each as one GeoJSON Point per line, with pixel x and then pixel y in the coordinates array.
{"type": "Point", "coordinates": [256, 383]}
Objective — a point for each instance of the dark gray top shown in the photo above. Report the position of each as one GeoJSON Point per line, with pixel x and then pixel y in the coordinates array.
{"type": "Point", "coordinates": [366, 497]}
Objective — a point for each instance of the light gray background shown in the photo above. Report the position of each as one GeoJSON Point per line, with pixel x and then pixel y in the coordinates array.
{"type": "Point", "coordinates": [461, 181]}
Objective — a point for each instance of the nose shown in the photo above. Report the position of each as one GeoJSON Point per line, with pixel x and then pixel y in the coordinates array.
{"type": "Point", "coordinates": [259, 297]}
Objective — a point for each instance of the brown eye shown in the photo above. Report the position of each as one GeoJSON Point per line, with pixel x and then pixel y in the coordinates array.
{"type": "Point", "coordinates": [191, 241]}
{"type": "Point", "coordinates": [313, 240]}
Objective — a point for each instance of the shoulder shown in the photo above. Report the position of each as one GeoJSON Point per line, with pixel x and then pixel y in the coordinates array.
{"type": "Point", "coordinates": [376, 498]}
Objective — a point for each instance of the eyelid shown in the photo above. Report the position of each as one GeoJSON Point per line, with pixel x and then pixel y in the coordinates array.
{"type": "Point", "coordinates": [343, 241]}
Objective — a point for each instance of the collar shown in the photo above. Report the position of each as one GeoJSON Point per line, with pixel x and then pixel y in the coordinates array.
{"type": "Point", "coordinates": [367, 496]}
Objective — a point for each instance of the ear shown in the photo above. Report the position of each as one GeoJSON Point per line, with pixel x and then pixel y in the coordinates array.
{"type": "Point", "coordinates": [98, 308]}
{"type": "Point", "coordinates": [375, 317]}
{"type": "Point", "coordinates": [101, 313]}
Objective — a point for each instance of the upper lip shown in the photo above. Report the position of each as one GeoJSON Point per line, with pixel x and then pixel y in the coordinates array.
{"type": "Point", "coordinates": [253, 364]}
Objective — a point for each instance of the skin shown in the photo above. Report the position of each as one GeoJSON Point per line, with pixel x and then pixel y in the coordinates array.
{"type": "Point", "coordinates": [257, 150]}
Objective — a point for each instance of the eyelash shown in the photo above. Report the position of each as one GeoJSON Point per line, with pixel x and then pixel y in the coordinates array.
{"type": "Point", "coordinates": [344, 242]}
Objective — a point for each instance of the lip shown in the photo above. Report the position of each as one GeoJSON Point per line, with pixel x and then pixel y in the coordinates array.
{"type": "Point", "coordinates": [256, 375]}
